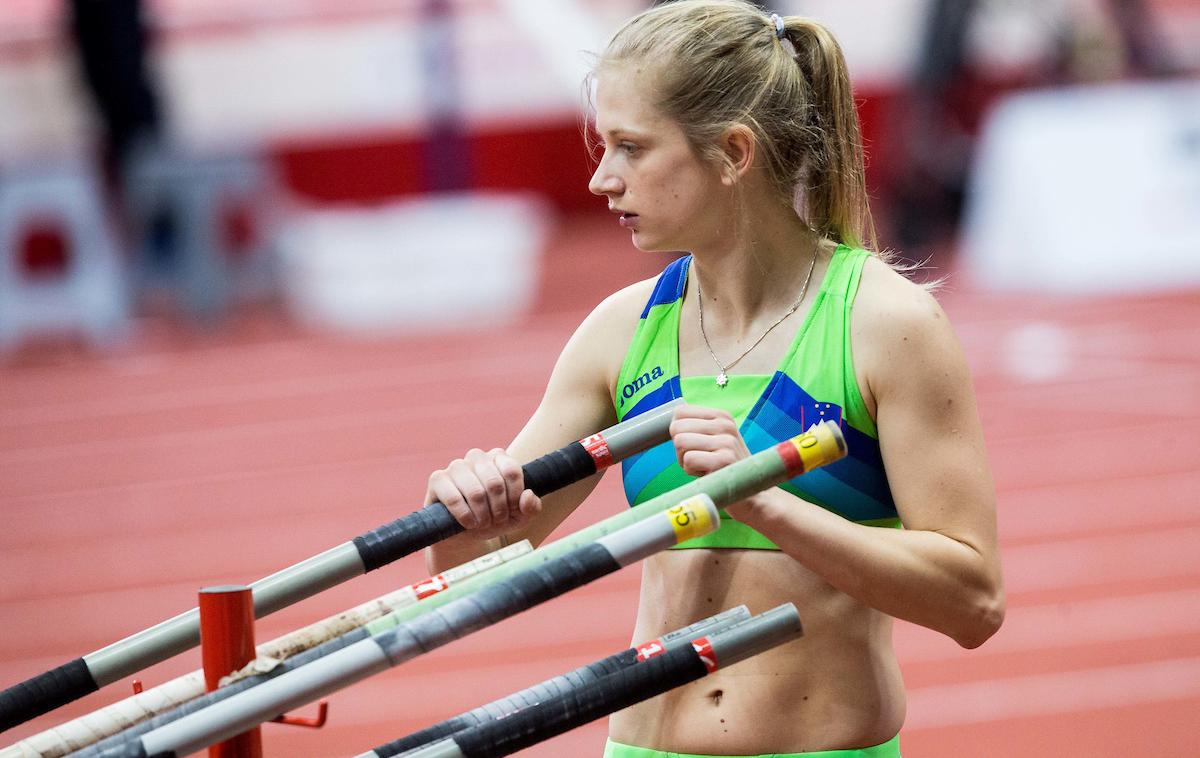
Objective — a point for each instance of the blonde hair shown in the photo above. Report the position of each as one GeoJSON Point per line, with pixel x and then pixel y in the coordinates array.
{"type": "Point", "coordinates": [719, 63]}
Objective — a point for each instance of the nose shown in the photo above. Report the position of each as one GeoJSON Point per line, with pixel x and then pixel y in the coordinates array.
{"type": "Point", "coordinates": [604, 181]}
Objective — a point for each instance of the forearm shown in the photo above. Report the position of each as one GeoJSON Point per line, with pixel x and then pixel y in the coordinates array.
{"type": "Point", "coordinates": [924, 577]}
{"type": "Point", "coordinates": [458, 550]}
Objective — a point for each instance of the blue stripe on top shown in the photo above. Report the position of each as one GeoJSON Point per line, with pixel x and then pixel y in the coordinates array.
{"type": "Point", "coordinates": [669, 390]}
{"type": "Point", "coordinates": [669, 287]}
{"type": "Point", "coordinates": [786, 410]}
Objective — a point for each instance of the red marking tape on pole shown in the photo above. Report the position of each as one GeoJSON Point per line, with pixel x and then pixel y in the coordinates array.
{"type": "Point", "coordinates": [597, 447]}
{"type": "Point", "coordinates": [431, 586]}
{"type": "Point", "coordinates": [650, 649]}
{"type": "Point", "coordinates": [703, 648]}
{"type": "Point", "coordinates": [820, 445]}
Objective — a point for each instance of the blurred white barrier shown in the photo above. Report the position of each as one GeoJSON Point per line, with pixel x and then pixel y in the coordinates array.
{"type": "Point", "coordinates": [85, 292]}
{"type": "Point", "coordinates": [449, 261]}
{"type": "Point", "coordinates": [1091, 189]}
{"type": "Point", "coordinates": [203, 227]}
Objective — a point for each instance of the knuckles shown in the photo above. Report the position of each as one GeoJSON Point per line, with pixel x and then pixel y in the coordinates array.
{"type": "Point", "coordinates": [476, 488]}
{"type": "Point", "coordinates": [495, 486]}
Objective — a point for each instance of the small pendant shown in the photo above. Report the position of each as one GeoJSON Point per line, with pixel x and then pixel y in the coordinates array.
{"type": "Point", "coordinates": [722, 380]}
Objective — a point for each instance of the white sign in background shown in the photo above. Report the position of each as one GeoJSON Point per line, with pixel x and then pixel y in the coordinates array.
{"type": "Point", "coordinates": [1090, 189]}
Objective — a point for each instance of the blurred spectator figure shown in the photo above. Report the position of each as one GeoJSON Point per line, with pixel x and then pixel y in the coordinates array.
{"type": "Point", "coordinates": [447, 160]}
{"type": "Point", "coordinates": [949, 94]}
{"type": "Point", "coordinates": [1120, 42]}
{"type": "Point", "coordinates": [62, 269]}
{"type": "Point", "coordinates": [194, 221]}
{"type": "Point", "coordinates": [935, 140]}
{"type": "Point", "coordinates": [112, 39]}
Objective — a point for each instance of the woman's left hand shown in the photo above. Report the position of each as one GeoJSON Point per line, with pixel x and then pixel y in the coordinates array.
{"type": "Point", "coordinates": [706, 440]}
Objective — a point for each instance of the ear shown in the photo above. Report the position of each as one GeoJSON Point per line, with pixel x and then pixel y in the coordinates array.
{"type": "Point", "coordinates": [738, 144]}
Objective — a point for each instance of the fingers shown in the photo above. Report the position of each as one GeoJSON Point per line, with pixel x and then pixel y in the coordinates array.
{"type": "Point", "coordinates": [493, 501]}
{"type": "Point", "coordinates": [701, 420]}
{"type": "Point", "coordinates": [530, 505]}
{"type": "Point", "coordinates": [483, 490]}
{"type": "Point", "coordinates": [706, 439]}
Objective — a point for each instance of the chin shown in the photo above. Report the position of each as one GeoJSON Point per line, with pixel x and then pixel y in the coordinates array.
{"type": "Point", "coordinates": [648, 244]}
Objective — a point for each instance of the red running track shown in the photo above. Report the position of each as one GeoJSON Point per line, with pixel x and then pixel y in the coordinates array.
{"type": "Point", "coordinates": [128, 481]}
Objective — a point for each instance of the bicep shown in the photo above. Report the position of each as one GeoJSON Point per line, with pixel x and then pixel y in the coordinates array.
{"type": "Point", "coordinates": [929, 432]}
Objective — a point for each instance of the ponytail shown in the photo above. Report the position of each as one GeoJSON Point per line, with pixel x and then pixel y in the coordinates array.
{"type": "Point", "coordinates": [833, 181]}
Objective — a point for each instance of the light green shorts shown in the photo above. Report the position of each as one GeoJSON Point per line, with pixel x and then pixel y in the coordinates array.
{"type": "Point", "coordinates": [889, 749]}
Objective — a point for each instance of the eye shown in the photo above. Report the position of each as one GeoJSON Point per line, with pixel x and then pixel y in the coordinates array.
{"type": "Point", "coordinates": [628, 148]}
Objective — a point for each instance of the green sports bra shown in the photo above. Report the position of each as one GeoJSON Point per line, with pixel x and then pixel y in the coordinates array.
{"type": "Point", "coordinates": [814, 382]}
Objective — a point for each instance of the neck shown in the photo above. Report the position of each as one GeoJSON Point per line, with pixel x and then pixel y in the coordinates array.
{"type": "Point", "coordinates": [756, 275]}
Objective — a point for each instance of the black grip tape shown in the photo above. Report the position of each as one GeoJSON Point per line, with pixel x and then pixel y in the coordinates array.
{"type": "Point", "coordinates": [496, 602]}
{"type": "Point", "coordinates": [118, 745]}
{"type": "Point", "coordinates": [417, 530]}
{"type": "Point", "coordinates": [433, 523]}
{"type": "Point", "coordinates": [548, 719]}
{"type": "Point", "coordinates": [508, 705]}
{"type": "Point", "coordinates": [45, 692]}
{"type": "Point", "coordinates": [556, 470]}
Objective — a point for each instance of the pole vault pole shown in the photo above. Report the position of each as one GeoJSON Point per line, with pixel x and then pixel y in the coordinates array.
{"type": "Point", "coordinates": [691, 518]}
{"type": "Point", "coordinates": [129, 713]}
{"type": "Point", "coordinates": [821, 445]}
{"type": "Point", "coordinates": [560, 685]}
{"type": "Point", "coordinates": [632, 684]}
{"type": "Point", "coordinates": [366, 552]}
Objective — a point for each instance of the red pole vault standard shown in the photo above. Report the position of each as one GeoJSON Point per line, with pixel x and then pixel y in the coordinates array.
{"type": "Point", "coordinates": [226, 645]}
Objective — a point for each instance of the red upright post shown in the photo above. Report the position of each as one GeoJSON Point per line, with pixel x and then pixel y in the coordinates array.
{"type": "Point", "coordinates": [227, 644]}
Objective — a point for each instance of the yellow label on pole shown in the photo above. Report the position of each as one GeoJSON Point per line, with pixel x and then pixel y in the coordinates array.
{"type": "Point", "coordinates": [691, 518]}
{"type": "Point", "coordinates": [821, 445]}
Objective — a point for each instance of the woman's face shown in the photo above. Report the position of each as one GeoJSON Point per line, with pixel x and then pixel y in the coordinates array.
{"type": "Point", "coordinates": [666, 195]}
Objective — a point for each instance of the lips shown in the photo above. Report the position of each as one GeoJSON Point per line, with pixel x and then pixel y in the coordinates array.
{"type": "Point", "coordinates": [627, 220]}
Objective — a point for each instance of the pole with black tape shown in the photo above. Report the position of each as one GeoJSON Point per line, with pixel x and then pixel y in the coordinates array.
{"type": "Point", "coordinates": [139, 709]}
{"type": "Point", "coordinates": [819, 446]}
{"type": "Point", "coordinates": [497, 601]}
{"type": "Point", "coordinates": [560, 685]}
{"type": "Point", "coordinates": [366, 552]}
{"type": "Point", "coordinates": [621, 689]}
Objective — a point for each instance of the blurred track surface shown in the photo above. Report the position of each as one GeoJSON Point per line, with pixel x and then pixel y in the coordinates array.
{"type": "Point", "coordinates": [130, 480]}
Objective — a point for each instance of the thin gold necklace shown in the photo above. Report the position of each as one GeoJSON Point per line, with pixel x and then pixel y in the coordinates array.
{"type": "Point", "coordinates": [723, 377]}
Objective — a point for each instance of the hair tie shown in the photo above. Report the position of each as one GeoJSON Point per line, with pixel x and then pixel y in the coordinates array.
{"type": "Point", "coordinates": [779, 28]}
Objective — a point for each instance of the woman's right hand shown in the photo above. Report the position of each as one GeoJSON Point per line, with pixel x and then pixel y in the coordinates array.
{"type": "Point", "coordinates": [485, 492]}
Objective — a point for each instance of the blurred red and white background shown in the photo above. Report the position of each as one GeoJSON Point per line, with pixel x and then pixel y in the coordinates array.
{"type": "Point", "coordinates": [415, 185]}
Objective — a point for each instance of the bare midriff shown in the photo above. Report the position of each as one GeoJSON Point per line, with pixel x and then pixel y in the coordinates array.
{"type": "Point", "coordinates": [837, 686]}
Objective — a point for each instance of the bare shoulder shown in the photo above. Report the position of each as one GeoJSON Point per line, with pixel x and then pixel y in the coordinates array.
{"type": "Point", "coordinates": [597, 348]}
{"type": "Point", "coordinates": [626, 302]}
{"type": "Point", "coordinates": [888, 299]}
{"type": "Point", "coordinates": [901, 333]}
{"type": "Point", "coordinates": [609, 328]}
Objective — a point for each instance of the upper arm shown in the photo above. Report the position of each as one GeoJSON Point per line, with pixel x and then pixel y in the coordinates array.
{"type": "Point", "coordinates": [578, 400]}
{"type": "Point", "coordinates": [926, 415]}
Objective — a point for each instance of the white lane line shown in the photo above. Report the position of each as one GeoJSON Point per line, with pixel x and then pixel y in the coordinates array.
{"type": "Point", "coordinates": [1058, 626]}
{"type": "Point", "coordinates": [1085, 394]}
{"type": "Point", "coordinates": [477, 362]}
{"type": "Point", "coordinates": [327, 383]}
{"type": "Point", "coordinates": [49, 504]}
{"type": "Point", "coordinates": [211, 437]}
{"type": "Point", "coordinates": [1101, 560]}
{"type": "Point", "coordinates": [1062, 511]}
{"type": "Point", "coordinates": [1046, 694]}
